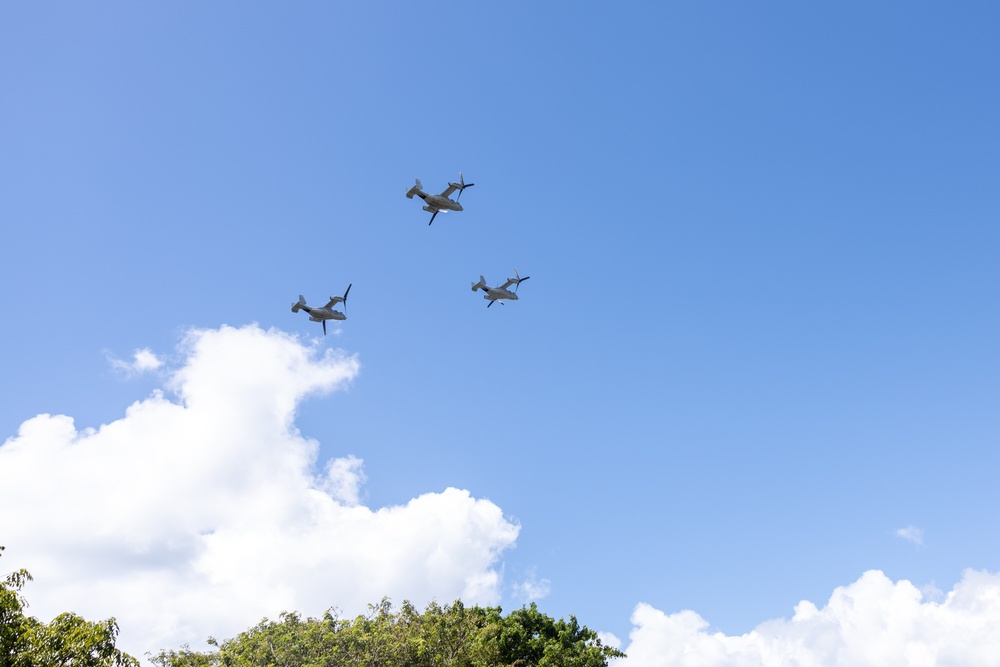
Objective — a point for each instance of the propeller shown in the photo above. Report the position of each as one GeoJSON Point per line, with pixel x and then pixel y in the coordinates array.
{"type": "Point", "coordinates": [341, 299]}
{"type": "Point", "coordinates": [432, 218]}
{"type": "Point", "coordinates": [519, 280]}
{"type": "Point", "coordinates": [462, 185]}
{"type": "Point", "coordinates": [324, 326]}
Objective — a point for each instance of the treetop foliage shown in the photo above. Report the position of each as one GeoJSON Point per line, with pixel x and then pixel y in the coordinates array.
{"type": "Point", "coordinates": [442, 636]}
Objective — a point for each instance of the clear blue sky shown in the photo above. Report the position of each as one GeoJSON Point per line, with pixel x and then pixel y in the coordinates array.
{"type": "Point", "coordinates": [760, 334]}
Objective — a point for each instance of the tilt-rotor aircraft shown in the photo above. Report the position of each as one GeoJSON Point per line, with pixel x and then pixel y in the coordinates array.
{"type": "Point", "coordinates": [435, 204]}
{"type": "Point", "coordinates": [326, 312]}
{"type": "Point", "coordinates": [500, 293]}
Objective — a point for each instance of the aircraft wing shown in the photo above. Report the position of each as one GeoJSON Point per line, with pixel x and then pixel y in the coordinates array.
{"type": "Point", "coordinates": [510, 281]}
{"type": "Point", "coordinates": [334, 301]}
{"type": "Point", "coordinates": [448, 190]}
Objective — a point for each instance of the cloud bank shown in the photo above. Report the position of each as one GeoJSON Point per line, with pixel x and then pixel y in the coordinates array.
{"type": "Point", "coordinates": [202, 509]}
{"type": "Point", "coordinates": [870, 623]}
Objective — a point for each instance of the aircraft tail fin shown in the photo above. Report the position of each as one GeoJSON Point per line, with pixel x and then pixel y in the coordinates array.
{"type": "Point", "coordinates": [414, 190]}
{"type": "Point", "coordinates": [298, 304]}
{"type": "Point", "coordinates": [480, 285]}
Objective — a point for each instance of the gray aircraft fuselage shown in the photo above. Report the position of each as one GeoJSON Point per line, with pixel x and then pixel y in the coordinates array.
{"type": "Point", "coordinates": [440, 203]}
{"type": "Point", "coordinates": [320, 314]}
{"type": "Point", "coordinates": [500, 292]}
{"type": "Point", "coordinates": [324, 313]}
{"type": "Point", "coordinates": [494, 293]}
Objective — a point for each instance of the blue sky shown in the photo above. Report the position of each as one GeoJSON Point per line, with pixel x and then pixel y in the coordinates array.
{"type": "Point", "coordinates": [760, 332]}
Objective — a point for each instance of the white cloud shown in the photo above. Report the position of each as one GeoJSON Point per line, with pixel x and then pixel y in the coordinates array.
{"type": "Point", "coordinates": [872, 622]}
{"type": "Point", "coordinates": [532, 589]}
{"type": "Point", "coordinates": [142, 361]}
{"type": "Point", "coordinates": [197, 514]}
{"type": "Point", "coordinates": [344, 478]}
{"type": "Point", "coordinates": [911, 534]}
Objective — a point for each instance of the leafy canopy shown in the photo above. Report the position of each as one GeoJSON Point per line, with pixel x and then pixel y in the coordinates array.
{"type": "Point", "coordinates": [449, 636]}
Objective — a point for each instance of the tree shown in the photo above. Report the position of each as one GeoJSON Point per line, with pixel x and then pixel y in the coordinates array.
{"type": "Point", "coordinates": [450, 636]}
{"type": "Point", "coordinates": [68, 641]}
{"type": "Point", "coordinates": [14, 625]}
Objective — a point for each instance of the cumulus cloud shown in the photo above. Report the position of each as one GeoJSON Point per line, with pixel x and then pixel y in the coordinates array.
{"type": "Point", "coordinates": [872, 622]}
{"type": "Point", "coordinates": [202, 509]}
{"type": "Point", "coordinates": [143, 360]}
{"type": "Point", "coordinates": [911, 534]}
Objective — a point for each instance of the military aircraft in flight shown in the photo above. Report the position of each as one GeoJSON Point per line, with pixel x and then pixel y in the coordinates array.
{"type": "Point", "coordinates": [435, 204]}
{"type": "Point", "coordinates": [500, 293]}
{"type": "Point", "coordinates": [326, 312]}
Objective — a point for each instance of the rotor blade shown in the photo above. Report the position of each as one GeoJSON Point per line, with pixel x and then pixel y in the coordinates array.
{"type": "Point", "coordinates": [346, 292]}
{"type": "Point", "coordinates": [466, 185]}
{"type": "Point", "coordinates": [491, 303]}
{"type": "Point", "coordinates": [324, 326]}
{"type": "Point", "coordinates": [462, 185]}
{"type": "Point", "coordinates": [432, 218]}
